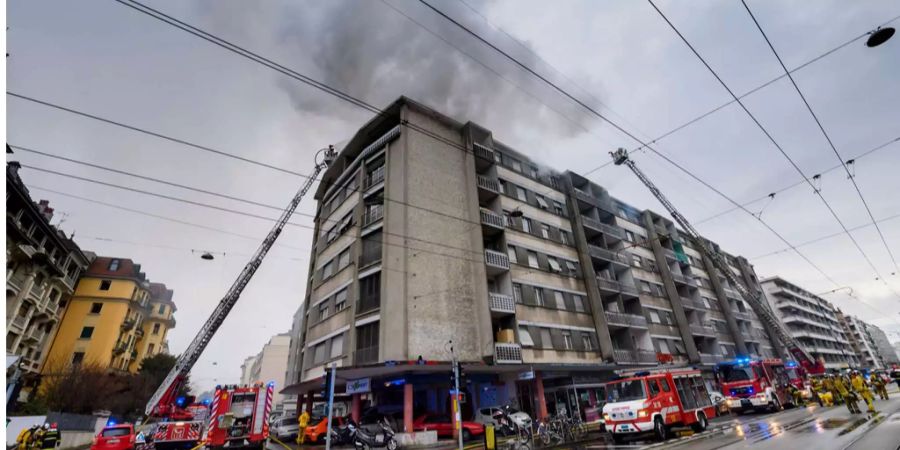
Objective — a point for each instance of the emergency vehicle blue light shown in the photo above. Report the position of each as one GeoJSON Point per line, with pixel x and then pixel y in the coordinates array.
{"type": "Point", "coordinates": [790, 364]}
{"type": "Point", "coordinates": [180, 401]}
{"type": "Point", "coordinates": [271, 384]}
{"type": "Point", "coordinates": [642, 374]}
{"type": "Point", "coordinates": [397, 382]}
{"type": "Point", "coordinates": [110, 422]}
{"type": "Point", "coordinates": [207, 401]}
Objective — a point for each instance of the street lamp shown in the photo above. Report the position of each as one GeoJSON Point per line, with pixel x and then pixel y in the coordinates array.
{"type": "Point", "coordinates": [879, 36]}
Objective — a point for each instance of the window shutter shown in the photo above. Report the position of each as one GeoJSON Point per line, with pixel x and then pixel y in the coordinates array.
{"type": "Point", "coordinates": [587, 303]}
{"type": "Point", "coordinates": [536, 336]}
{"type": "Point", "coordinates": [554, 234]}
{"type": "Point", "coordinates": [532, 200]}
{"type": "Point", "coordinates": [542, 261]}
{"type": "Point", "coordinates": [594, 343]}
{"type": "Point", "coordinates": [528, 295]}
{"type": "Point", "coordinates": [522, 255]}
{"type": "Point", "coordinates": [570, 303]}
{"type": "Point", "coordinates": [578, 340]}
{"type": "Point", "coordinates": [517, 223]}
{"type": "Point", "coordinates": [556, 337]}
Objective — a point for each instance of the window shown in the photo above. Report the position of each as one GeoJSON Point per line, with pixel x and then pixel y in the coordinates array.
{"type": "Point", "coordinates": [502, 185]}
{"type": "Point", "coordinates": [645, 287]}
{"type": "Point", "coordinates": [567, 340]}
{"type": "Point", "coordinates": [344, 259]}
{"type": "Point", "coordinates": [511, 252]}
{"type": "Point", "coordinates": [328, 269]}
{"type": "Point", "coordinates": [636, 261]}
{"type": "Point", "coordinates": [113, 265]}
{"type": "Point", "coordinates": [668, 318]}
{"type": "Point", "coordinates": [663, 347]}
{"type": "Point", "coordinates": [340, 300]}
{"type": "Point", "coordinates": [679, 347]}
{"type": "Point", "coordinates": [654, 388]}
{"type": "Point", "coordinates": [96, 307]}
{"type": "Point", "coordinates": [521, 195]}
{"type": "Point", "coordinates": [517, 292]}
{"type": "Point", "coordinates": [665, 385]}
{"type": "Point", "coordinates": [337, 346]}
{"type": "Point", "coordinates": [533, 171]}
{"type": "Point", "coordinates": [560, 300]}
{"type": "Point", "coordinates": [319, 353]}
{"type": "Point", "coordinates": [554, 264]}
{"type": "Point", "coordinates": [87, 332]}
{"type": "Point", "coordinates": [579, 302]}
{"type": "Point", "coordinates": [629, 236]}
{"type": "Point", "coordinates": [371, 249]}
{"type": "Point", "coordinates": [558, 207]}
{"type": "Point", "coordinates": [77, 358]}
{"type": "Point", "coordinates": [367, 338]}
{"type": "Point", "coordinates": [532, 259]}
{"type": "Point", "coordinates": [155, 328]}
{"type": "Point", "coordinates": [525, 337]}
{"type": "Point", "coordinates": [564, 237]}
{"type": "Point", "coordinates": [498, 157]}
{"type": "Point", "coordinates": [516, 165]}
{"type": "Point", "coordinates": [526, 224]}
{"type": "Point", "coordinates": [150, 349]}
{"type": "Point", "coordinates": [545, 231]}
{"type": "Point", "coordinates": [162, 308]}
{"type": "Point", "coordinates": [369, 293]}
{"type": "Point", "coordinates": [546, 341]}
{"type": "Point", "coordinates": [541, 202]}
{"type": "Point", "coordinates": [586, 342]}
{"type": "Point", "coordinates": [323, 309]}
{"type": "Point", "coordinates": [105, 284]}
{"type": "Point", "coordinates": [654, 316]}
{"type": "Point", "coordinates": [571, 266]}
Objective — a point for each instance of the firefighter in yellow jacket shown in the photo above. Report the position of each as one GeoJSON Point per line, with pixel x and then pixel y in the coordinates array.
{"type": "Point", "coordinates": [841, 386]}
{"type": "Point", "coordinates": [303, 422]}
{"type": "Point", "coordinates": [859, 385]}
{"type": "Point", "coordinates": [24, 439]}
{"type": "Point", "coordinates": [880, 386]}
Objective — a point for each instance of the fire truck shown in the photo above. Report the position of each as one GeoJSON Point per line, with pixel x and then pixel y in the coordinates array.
{"type": "Point", "coordinates": [758, 384]}
{"type": "Point", "coordinates": [239, 416]}
{"type": "Point", "coordinates": [654, 402]}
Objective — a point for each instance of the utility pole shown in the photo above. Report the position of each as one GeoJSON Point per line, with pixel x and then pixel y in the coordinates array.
{"type": "Point", "coordinates": [330, 405]}
{"type": "Point", "coordinates": [457, 413]}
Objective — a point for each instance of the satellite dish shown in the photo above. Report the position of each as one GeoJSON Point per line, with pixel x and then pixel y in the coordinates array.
{"type": "Point", "coordinates": [879, 36]}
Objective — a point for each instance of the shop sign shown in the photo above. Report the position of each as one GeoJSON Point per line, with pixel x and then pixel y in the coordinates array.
{"type": "Point", "coordinates": [359, 386]}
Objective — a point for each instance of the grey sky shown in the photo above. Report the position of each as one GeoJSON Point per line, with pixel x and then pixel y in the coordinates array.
{"type": "Point", "coordinates": [107, 59]}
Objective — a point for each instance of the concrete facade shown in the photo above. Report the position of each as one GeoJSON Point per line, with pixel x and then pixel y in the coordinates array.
{"type": "Point", "coordinates": [430, 231]}
{"type": "Point", "coordinates": [247, 369]}
{"type": "Point", "coordinates": [813, 321]}
{"type": "Point", "coordinates": [883, 346]}
{"type": "Point", "coordinates": [270, 366]}
{"type": "Point", "coordinates": [862, 342]}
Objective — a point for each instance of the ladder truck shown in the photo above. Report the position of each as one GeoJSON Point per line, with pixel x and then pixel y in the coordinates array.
{"type": "Point", "coordinates": [752, 296]}
{"type": "Point", "coordinates": [177, 427]}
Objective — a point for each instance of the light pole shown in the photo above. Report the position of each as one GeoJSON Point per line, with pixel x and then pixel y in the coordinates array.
{"type": "Point", "coordinates": [457, 413]}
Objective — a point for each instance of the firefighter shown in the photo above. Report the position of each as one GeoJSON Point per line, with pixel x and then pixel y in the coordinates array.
{"type": "Point", "coordinates": [842, 387]}
{"type": "Point", "coordinates": [815, 385]}
{"type": "Point", "coordinates": [23, 440]}
{"type": "Point", "coordinates": [304, 421]}
{"type": "Point", "coordinates": [796, 395]}
{"type": "Point", "coordinates": [859, 385]}
{"type": "Point", "coordinates": [50, 438]}
{"type": "Point", "coordinates": [880, 386]}
{"type": "Point", "coordinates": [836, 396]}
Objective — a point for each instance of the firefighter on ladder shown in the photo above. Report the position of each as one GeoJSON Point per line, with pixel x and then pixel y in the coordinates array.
{"type": "Point", "coordinates": [859, 385]}
{"type": "Point", "coordinates": [303, 422]}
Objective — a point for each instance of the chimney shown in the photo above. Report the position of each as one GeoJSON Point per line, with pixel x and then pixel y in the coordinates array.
{"type": "Point", "coordinates": [45, 209]}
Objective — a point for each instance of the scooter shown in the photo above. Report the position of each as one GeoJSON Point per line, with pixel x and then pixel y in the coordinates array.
{"type": "Point", "coordinates": [364, 440]}
{"type": "Point", "coordinates": [344, 434]}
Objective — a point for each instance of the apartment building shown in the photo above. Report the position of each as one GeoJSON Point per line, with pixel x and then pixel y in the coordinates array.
{"type": "Point", "coordinates": [861, 341]}
{"type": "Point", "coordinates": [813, 321]}
{"type": "Point", "coordinates": [883, 347]}
{"type": "Point", "coordinates": [270, 366]}
{"type": "Point", "coordinates": [292, 371]}
{"type": "Point", "coordinates": [435, 240]}
{"type": "Point", "coordinates": [247, 369]}
{"type": "Point", "coordinates": [42, 268]}
{"type": "Point", "coordinates": [113, 319]}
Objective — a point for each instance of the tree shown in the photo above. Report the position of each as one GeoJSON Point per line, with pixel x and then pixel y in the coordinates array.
{"type": "Point", "coordinates": [155, 369]}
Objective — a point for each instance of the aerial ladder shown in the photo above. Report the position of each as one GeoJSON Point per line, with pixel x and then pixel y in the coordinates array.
{"type": "Point", "coordinates": [163, 402]}
{"type": "Point", "coordinates": [753, 297]}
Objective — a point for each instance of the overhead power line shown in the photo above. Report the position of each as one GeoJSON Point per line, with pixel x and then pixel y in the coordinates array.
{"type": "Point", "coordinates": [824, 133]}
{"type": "Point", "coordinates": [778, 146]}
{"type": "Point", "coordinates": [827, 236]}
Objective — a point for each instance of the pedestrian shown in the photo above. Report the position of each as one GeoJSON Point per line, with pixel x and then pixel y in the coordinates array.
{"type": "Point", "coordinates": [859, 385]}
{"type": "Point", "coordinates": [303, 422]}
{"type": "Point", "coordinates": [842, 386]}
{"type": "Point", "coordinates": [50, 438]}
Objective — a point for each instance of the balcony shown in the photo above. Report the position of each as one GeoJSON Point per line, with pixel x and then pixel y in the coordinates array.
{"type": "Point", "coordinates": [670, 254]}
{"type": "Point", "coordinates": [495, 262]}
{"type": "Point", "coordinates": [139, 333]}
{"type": "Point", "coordinates": [731, 293]}
{"type": "Point", "coordinates": [491, 222]}
{"type": "Point", "coordinates": [120, 348]}
{"type": "Point", "coordinates": [605, 255]}
{"type": "Point", "coordinates": [681, 279]}
{"type": "Point", "coordinates": [721, 327]}
{"type": "Point", "coordinates": [501, 304]}
{"type": "Point", "coordinates": [709, 359]}
{"type": "Point", "coordinates": [37, 293]}
{"type": "Point", "coordinates": [625, 320]}
{"type": "Point", "coordinates": [484, 156]}
{"type": "Point", "coordinates": [623, 356]}
{"type": "Point", "coordinates": [127, 324]}
{"type": "Point", "coordinates": [487, 188]}
{"type": "Point", "coordinates": [16, 281]}
{"type": "Point", "coordinates": [36, 335]}
{"type": "Point", "coordinates": [690, 303]}
{"type": "Point", "coordinates": [372, 215]}
{"type": "Point", "coordinates": [703, 329]}
{"type": "Point", "coordinates": [20, 321]}
{"type": "Point", "coordinates": [134, 354]}
{"type": "Point", "coordinates": [507, 353]}
{"type": "Point", "coordinates": [373, 178]}
{"type": "Point", "coordinates": [368, 303]}
{"type": "Point", "coordinates": [616, 287]}
{"type": "Point", "coordinates": [593, 227]}
{"type": "Point", "coordinates": [742, 316]}
{"type": "Point", "coordinates": [367, 355]}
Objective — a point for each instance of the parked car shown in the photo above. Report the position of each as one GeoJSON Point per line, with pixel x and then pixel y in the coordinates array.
{"type": "Point", "coordinates": [315, 432]}
{"type": "Point", "coordinates": [285, 428]}
{"type": "Point", "coordinates": [444, 426]}
{"type": "Point", "coordinates": [115, 437]}
{"type": "Point", "coordinates": [489, 416]}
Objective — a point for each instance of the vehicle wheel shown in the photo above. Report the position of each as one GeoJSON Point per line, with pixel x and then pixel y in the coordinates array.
{"type": "Point", "coordinates": [618, 438]}
{"type": "Point", "coordinates": [392, 444]}
{"type": "Point", "coordinates": [700, 425]}
{"type": "Point", "coordinates": [467, 436]}
{"type": "Point", "coordinates": [659, 430]}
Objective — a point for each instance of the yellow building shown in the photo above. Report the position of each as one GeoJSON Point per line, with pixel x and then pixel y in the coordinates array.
{"type": "Point", "coordinates": [109, 318]}
{"type": "Point", "coordinates": [158, 323]}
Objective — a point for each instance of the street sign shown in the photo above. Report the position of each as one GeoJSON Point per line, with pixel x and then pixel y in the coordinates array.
{"type": "Point", "coordinates": [527, 375]}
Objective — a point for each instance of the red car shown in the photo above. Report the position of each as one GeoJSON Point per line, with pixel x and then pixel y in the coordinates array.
{"type": "Point", "coordinates": [115, 437]}
{"type": "Point", "coordinates": [444, 426]}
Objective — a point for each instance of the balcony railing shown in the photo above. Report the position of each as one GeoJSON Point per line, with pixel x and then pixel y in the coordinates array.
{"type": "Point", "coordinates": [710, 359]}
{"type": "Point", "coordinates": [502, 303]}
{"type": "Point", "coordinates": [20, 321]}
{"type": "Point", "coordinates": [609, 230]}
{"type": "Point", "coordinates": [17, 280]}
{"type": "Point", "coordinates": [120, 348]}
{"type": "Point", "coordinates": [742, 315]}
{"type": "Point", "coordinates": [635, 356]}
{"type": "Point", "coordinates": [507, 353]}
{"type": "Point", "coordinates": [369, 303]}
{"type": "Point", "coordinates": [669, 254]}
{"type": "Point", "coordinates": [702, 329]}
{"type": "Point", "coordinates": [367, 355]}
{"type": "Point", "coordinates": [372, 215]}
{"type": "Point", "coordinates": [721, 327]}
{"type": "Point", "coordinates": [483, 152]}
{"type": "Point", "coordinates": [625, 319]}
{"type": "Point", "coordinates": [491, 218]}
{"type": "Point", "coordinates": [617, 286]}
{"type": "Point", "coordinates": [688, 302]}
{"type": "Point", "coordinates": [37, 292]}
{"type": "Point", "coordinates": [37, 334]}
{"type": "Point", "coordinates": [607, 255]}
{"type": "Point", "coordinates": [373, 178]}
{"type": "Point", "coordinates": [679, 278]}
{"type": "Point", "coordinates": [488, 184]}
{"type": "Point", "coordinates": [128, 324]}
{"type": "Point", "coordinates": [496, 260]}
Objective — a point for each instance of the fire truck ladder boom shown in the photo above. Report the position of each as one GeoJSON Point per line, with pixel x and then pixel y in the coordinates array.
{"type": "Point", "coordinates": [166, 392]}
{"type": "Point", "coordinates": [751, 296]}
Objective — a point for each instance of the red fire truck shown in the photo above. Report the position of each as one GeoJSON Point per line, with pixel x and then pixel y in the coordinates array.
{"type": "Point", "coordinates": [239, 417]}
{"type": "Point", "coordinates": [653, 402]}
{"type": "Point", "coordinates": [758, 384]}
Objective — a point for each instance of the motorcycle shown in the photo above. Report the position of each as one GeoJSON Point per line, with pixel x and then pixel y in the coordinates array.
{"type": "Point", "coordinates": [344, 434]}
{"type": "Point", "coordinates": [365, 440]}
